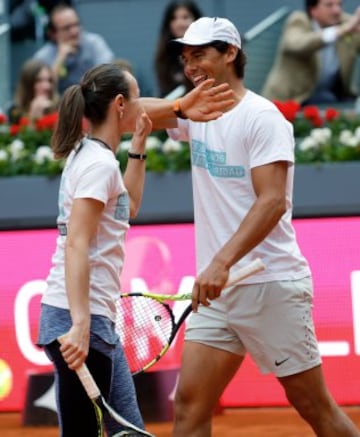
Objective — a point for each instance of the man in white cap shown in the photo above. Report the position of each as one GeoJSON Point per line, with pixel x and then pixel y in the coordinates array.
{"type": "Point", "coordinates": [242, 172]}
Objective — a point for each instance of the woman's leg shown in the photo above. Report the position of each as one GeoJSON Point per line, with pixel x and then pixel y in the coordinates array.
{"type": "Point", "coordinates": [75, 410]}
{"type": "Point", "coordinates": [122, 394]}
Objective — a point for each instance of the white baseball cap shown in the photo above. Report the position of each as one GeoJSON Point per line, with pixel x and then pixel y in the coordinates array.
{"type": "Point", "coordinates": [206, 30]}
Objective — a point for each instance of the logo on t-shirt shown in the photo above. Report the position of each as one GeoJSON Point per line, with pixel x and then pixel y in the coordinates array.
{"type": "Point", "coordinates": [122, 208]}
{"type": "Point", "coordinates": [214, 161]}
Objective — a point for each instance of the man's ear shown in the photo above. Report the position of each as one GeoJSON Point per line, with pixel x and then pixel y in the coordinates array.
{"type": "Point", "coordinates": [50, 32]}
{"type": "Point", "coordinates": [232, 52]}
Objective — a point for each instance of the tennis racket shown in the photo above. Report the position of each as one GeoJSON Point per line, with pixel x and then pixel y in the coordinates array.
{"type": "Point", "coordinates": [146, 323]}
{"type": "Point", "coordinates": [102, 407]}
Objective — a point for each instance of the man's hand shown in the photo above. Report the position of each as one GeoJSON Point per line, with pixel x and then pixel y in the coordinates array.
{"type": "Point", "coordinates": [209, 284]}
{"type": "Point", "coordinates": [65, 49]}
{"type": "Point", "coordinates": [207, 102]}
{"type": "Point", "coordinates": [352, 25]}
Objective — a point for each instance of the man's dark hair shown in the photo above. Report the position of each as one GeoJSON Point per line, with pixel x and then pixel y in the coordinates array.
{"type": "Point", "coordinates": [61, 6]}
{"type": "Point", "coordinates": [309, 4]}
{"type": "Point", "coordinates": [239, 61]}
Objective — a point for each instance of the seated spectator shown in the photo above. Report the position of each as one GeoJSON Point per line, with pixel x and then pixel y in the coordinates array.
{"type": "Point", "coordinates": [316, 55]}
{"type": "Point", "coordinates": [27, 15]}
{"type": "Point", "coordinates": [71, 51]}
{"type": "Point", "coordinates": [169, 70]}
{"type": "Point", "coordinates": [36, 94]}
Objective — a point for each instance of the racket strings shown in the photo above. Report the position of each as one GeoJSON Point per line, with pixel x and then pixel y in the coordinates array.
{"type": "Point", "coordinates": [144, 326]}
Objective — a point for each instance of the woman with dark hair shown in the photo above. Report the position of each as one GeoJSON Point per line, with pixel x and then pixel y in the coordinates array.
{"type": "Point", "coordinates": [36, 92]}
{"type": "Point", "coordinates": [95, 204]}
{"type": "Point", "coordinates": [169, 70]}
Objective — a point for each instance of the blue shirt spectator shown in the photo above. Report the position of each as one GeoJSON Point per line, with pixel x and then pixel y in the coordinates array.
{"type": "Point", "coordinates": [70, 50]}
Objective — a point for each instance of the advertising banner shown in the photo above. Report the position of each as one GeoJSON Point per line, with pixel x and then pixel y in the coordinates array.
{"type": "Point", "coordinates": [161, 258]}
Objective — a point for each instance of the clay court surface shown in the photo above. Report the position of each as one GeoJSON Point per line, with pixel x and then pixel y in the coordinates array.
{"type": "Point", "coordinates": [244, 422]}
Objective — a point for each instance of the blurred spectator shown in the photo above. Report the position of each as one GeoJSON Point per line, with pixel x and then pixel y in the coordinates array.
{"type": "Point", "coordinates": [177, 17]}
{"type": "Point", "coordinates": [316, 55]}
{"type": "Point", "coordinates": [36, 93]}
{"type": "Point", "coordinates": [71, 51]}
{"type": "Point", "coordinates": [28, 18]}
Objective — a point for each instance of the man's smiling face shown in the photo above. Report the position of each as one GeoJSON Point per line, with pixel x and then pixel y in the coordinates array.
{"type": "Point", "coordinates": [203, 62]}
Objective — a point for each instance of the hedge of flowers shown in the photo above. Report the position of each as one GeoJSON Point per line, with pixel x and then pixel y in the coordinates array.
{"type": "Point", "coordinates": [326, 135]}
{"type": "Point", "coordinates": [321, 136]}
{"type": "Point", "coordinates": [25, 149]}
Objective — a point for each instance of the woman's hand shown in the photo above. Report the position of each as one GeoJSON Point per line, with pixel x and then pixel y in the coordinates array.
{"type": "Point", "coordinates": [75, 346]}
{"type": "Point", "coordinates": [39, 106]}
{"type": "Point", "coordinates": [143, 128]}
{"type": "Point", "coordinates": [143, 125]}
{"type": "Point", "coordinates": [207, 102]}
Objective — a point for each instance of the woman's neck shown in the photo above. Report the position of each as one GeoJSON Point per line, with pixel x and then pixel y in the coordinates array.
{"type": "Point", "coordinates": [106, 139]}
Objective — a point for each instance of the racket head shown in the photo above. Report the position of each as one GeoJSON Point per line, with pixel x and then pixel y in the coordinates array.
{"type": "Point", "coordinates": [146, 327]}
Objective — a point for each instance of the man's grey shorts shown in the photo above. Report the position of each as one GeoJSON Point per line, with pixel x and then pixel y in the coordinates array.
{"type": "Point", "coordinates": [272, 321]}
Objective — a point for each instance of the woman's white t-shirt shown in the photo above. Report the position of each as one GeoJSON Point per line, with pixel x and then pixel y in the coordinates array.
{"type": "Point", "coordinates": [92, 171]}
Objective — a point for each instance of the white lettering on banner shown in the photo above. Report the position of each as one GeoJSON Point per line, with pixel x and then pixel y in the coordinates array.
{"type": "Point", "coordinates": [342, 348]}
{"type": "Point", "coordinates": [22, 322]}
{"type": "Point", "coordinates": [37, 287]}
{"type": "Point", "coordinates": [355, 296]}
{"type": "Point", "coordinates": [334, 348]}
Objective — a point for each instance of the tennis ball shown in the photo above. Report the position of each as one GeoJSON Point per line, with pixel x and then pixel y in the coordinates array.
{"type": "Point", "coordinates": [6, 379]}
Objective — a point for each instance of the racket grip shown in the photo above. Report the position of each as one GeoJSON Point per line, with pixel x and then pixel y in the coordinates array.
{"type": "Point", "coordinates": [88, 382]}
{"type": "Point", "coordinates": [254, 267]}
{"type": "Point", "coordinates": [86, 379]}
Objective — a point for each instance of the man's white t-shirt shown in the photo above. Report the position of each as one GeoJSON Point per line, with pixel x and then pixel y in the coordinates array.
{"type": "Point", "coordinates": [92, 171]}
{"type": "Point", "coordinates": [223, 152]}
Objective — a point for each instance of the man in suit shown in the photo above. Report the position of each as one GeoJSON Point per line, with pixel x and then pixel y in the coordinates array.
{"type": "Point", "coordinates": [316, 55]}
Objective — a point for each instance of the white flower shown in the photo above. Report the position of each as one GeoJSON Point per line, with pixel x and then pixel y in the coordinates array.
{"type": "Point", "coordinates": [3, 155]}
{"type": "Point", "coordinates": [171, 146]}
{"type": "Point", "coordinates": [16, 149]}
{"type": "Point", "coordinates": [351, 141]}
{"type": "Point", "coordinates": [43, 154]}
{"type": "Point", "coordinates": [125, 145]}
{"type": "Point", "coordinates": [345, 136]}
{"type": "Point", "coordinates": [153, 143]}
{"type": "Point", "coordinates": [308, 143]}
{"type": "Point", "coordinates": [357, 133]}
{"type": "Point", "coordinates": [321, 135]}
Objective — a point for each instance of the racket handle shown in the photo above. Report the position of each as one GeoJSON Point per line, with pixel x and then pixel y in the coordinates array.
{"type": "Point", "coordinates": [250, 269]}
{"type": "Point", "coordinates": [86, 379]}
{"type": "Point", "coordinates": [88, 382]}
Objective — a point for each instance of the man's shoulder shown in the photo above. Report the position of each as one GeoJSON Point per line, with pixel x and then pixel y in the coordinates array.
{"type": "Point", "coordinates": [92, 37]}
{"type": "Point", "coordinates": [46, 52]}
{"type": "Point", "coordinates": [95, 44]}
{"type": "Point", "coordinates": [257, 101]}
{"type": "Point", "coordinates": [299, 16]}
{"type": "Point", "coordinates": [258, 108]}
